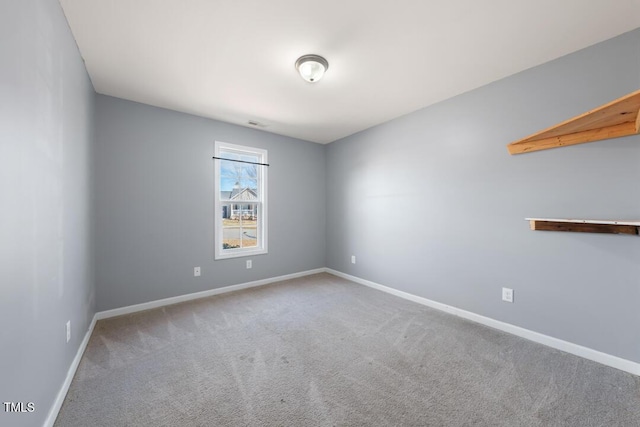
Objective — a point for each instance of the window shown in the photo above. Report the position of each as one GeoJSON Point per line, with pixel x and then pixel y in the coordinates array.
{"type": "Point", "coordinates": [240, 201]}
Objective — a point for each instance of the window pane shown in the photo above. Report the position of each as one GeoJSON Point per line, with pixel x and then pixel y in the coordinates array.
{"type": "Point", "coordinates": [230, 222]}
{"type": "Point", "coordinates": [236, 177]}
{"type": "Point", "coordinates": [231, 237]}
{"type": "Point", "coordinates": [251, 184]}
{"type": "Point", "coordinates": [252, 215]}
{"type": "Point", "coordinates": [243, 194]}
{"type": "Point", "coordinates": [227, 168]}
{"type": "Point", "coordinates": [248, 214]}
{"type": "Point", "coordinates": [249, 158]}
{"type": "Point", "coordinates": [249, 237]}
{"type": "Point", "coordinates": [239, 155]}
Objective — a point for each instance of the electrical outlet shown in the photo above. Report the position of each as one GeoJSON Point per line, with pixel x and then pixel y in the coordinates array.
{"type": "Point", "coordinates": [507, 294]}
{"type": "Point", "coordinates": [68, 330]}
{"type": "Point", "coordinates": [249, 264]}
{"type": "Point", "coordinates": [196, 271]}
{"type": "Point", "coordinates": [353, 259]}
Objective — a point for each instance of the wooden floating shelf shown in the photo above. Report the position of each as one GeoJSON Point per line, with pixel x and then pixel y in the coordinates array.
{"type": "Point", "coordinates": [613, 120]}
{"type": "Point", "coordinates": [585, 225]}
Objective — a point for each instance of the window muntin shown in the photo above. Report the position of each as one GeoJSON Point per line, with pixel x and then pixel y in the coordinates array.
{"type": "Point", "coordinates": [240, 201]}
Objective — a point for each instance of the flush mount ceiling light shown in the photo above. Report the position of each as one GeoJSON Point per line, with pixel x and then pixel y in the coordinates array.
{"type": "Point", "coordinates": [312, 67]}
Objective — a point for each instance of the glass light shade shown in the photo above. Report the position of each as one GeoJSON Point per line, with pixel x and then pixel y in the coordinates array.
{"type": "Point", "coordinates": [312, 67]}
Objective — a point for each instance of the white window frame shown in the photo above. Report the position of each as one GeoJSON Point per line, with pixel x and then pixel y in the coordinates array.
{"type": "Point", "coordinates": [262, 203]}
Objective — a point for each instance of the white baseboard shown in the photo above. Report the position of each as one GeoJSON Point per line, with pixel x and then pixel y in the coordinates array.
{"type": "Point", "coordinates": [57, 404]}
{"type": "Point", "coordinates": [196, 295]}
{"type": "Point", "coordinates": [558, 344]}
{"type": "Point", "coordinates": [578, 350]}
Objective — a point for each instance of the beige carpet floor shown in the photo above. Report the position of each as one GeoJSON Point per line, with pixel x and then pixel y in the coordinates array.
{"type": "Point", "coordinates": [323, 351]}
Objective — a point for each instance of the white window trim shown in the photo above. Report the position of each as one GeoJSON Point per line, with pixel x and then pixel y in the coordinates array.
{"type": "Point", "coordinates": [262, 227]}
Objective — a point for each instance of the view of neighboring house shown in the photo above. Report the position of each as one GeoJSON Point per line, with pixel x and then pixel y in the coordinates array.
{"type": "Point", "coordinates": [235, 209]}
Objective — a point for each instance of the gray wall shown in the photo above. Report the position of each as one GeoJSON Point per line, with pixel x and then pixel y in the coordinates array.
{"type": "Point", "coordinates": [432, 204]}
{"type": "Point", "coordinates": [46, 277]}
{"type": "Point", "coordinates": [154, 211]}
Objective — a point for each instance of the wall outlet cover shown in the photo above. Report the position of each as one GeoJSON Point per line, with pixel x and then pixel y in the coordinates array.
{"type": "Point", "coordinates": [196, 271]}
{"type": "Point", "coordinates": [507, 294]}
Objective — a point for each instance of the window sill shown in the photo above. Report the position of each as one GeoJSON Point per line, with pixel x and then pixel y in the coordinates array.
{"type": "Point", "coordinates": [240, 254]}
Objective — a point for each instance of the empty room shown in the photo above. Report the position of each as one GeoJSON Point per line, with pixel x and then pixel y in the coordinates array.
{"type": "Point", "coordinates": [297, 213]}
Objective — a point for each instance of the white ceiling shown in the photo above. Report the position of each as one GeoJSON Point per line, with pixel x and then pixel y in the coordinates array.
{"type": "Point", "coordinates": [234, 60]}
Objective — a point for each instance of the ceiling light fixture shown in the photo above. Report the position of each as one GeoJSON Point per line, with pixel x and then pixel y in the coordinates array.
{"type": "Point", "coordinates": [312, 67]}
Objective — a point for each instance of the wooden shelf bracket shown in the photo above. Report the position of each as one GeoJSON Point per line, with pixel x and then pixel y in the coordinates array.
{"type": "Point", "coordinates": [618, 118]}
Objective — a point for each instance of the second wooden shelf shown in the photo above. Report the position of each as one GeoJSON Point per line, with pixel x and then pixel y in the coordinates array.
{"type": "Point", "coordinates": [585, 225]}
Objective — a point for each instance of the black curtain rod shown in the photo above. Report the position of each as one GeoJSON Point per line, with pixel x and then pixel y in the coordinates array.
{"type": "Point", "coordinates": [241, 161]}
